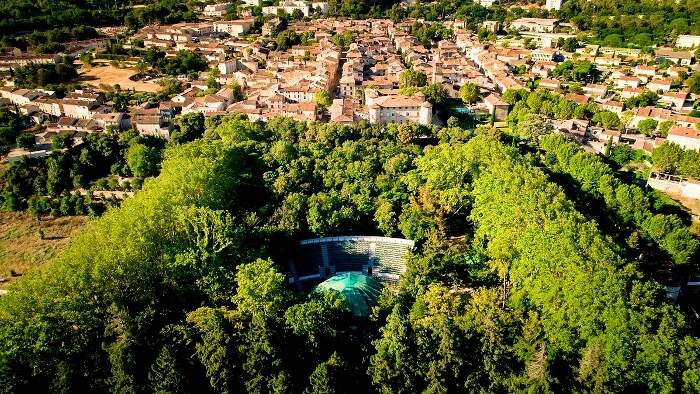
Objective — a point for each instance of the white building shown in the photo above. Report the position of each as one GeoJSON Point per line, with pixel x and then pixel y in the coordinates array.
{"type": "Point", "coordinates": [399, 109]}
{"type": "Point", "coordinates": [216, 10]}
{"type": "Point", "coordinates": [686, 137]}
{"type": "Point", "coordinates": [539, 25]}
{"type": "Point", "coordinates": [228, 67]}
{"type": "Point", "coordinates": [688, 41]}
{"type": "Point", "coordinates": [233, 28]}
{"type": "Point", "coordinates": [288, 6]}
{"type": "Point", "coordinates": [553, 5]}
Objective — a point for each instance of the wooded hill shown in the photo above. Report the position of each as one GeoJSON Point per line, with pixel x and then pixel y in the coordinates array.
{"type": "Point", "coordinates": [511, 288]}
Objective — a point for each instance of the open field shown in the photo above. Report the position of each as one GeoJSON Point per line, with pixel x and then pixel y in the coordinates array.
{"type": "Point", "coordinates": [110, 75]}
{"type": "Point", "coordinates": [22, 248]}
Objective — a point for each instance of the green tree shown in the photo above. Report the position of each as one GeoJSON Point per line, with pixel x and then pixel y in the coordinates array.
{"type": "Point", "coordinates": [607, 119]}
{"type": "Point", "coordinates": [647, 126]}
{"type": "Point", "coordinates": [61, 142]}
{"type": "Point", "coordinates": [469, 93]}
{"type": "Point", "coordinates": [436, 94]}
{"type": "Point", "coordinates": [693, 83]}
{"type": "Point", "coordinates": [568, 44]}
{"type": "Point", "coordinates": [56, 175]}
{"type": "Point", "coordinates": [667, 157]}
{"type": "Point", "coordinates": [86, 59]}
{"type": "Point", "coordinates": [342, 40]}
{"type": "Point", "coordinates": [664, 127]}
{"type": "Point", "coordinates": [323, 99]}
{"type": "Point", "coordinates": [142, 160]}
{"type": "Point", "coordinates": [690, 164]}
{"type": "Point", "coordinates": [25, 141]}
{"type": "Point", "coordinates": [533, 126]}
{"type": "Point", "coordinates": [412, 78]}
{"type": "Point", "coordinates": [187, 127]}
{"type": "Point", "coordinates": [237, 91]}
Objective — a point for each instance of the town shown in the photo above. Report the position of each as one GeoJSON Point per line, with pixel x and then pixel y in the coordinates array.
{"type": "Point", "coordinates": [348, 70]}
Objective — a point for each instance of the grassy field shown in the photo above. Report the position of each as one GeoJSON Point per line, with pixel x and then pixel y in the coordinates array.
{"type": "Point", "coordinates": [22, 248]}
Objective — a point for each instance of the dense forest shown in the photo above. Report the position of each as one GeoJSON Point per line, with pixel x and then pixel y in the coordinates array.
{"type": "Point", "coordinates": [513, 286]}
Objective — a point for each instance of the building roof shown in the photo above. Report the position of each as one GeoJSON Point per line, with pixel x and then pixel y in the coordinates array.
{"type": "Point", "coordinates": [653, 112]}
{"type": "Point", "coordinates": [494, 100]}
{"type": "Point", "coordinates": [537, 21]}
{"type": "Point", "coordinates": [399, 101]}
{"type": "Point", "coordinates": [687, 132]}
{"type": "Point", "coordinates": [670, 53]}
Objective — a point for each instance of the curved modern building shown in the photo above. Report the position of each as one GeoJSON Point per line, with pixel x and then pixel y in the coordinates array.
{"type": "Point", "coordinates": [321, 258]}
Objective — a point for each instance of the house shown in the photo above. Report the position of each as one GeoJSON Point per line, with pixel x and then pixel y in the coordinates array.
{"type": "Point", "coordinates": [49, 106]}
{"type": "Point", "coordinates": [233, 28]}
{"type": "Point", "coordinates": [543, 68]}
{"type": "Point", "coordinates": [646, 71]}
{"type": "Point", "coordinates": [658, 114]}
{"type": "Point", "coordinates": [206, 104]}
{"type": "Point", "coordinates": [151, 124]}
{"type": "Point", "coordinates": [227, 67]}
{"type": "Point", "coordinates": [216, 10]}
{"type": "Point", "coordinates": [347, 86]}
{"type": "Point", "coordinates": [676, 71]}
{"type": "Point", "coordinates": [686, 121]}
{"type": "Point", "coordinates": [627, 81]}
{"type": "Point", "coordinates": [300, 111]}
{"type": "Point", "coordinates": [595, 90]}
{"type": "Point", "coordinates": [544, 54]}
{"type": "Point", "coordinates": [288, 7]}
{"type": "Point", "coordinates": [497, 107]}
{"type": "Point", "coordinates": [631, 92]}
{"type": "Point", "coordinates": [660, 84]}
{"type": "Point", "coordinates": [683, 58]}
{"type": "Point", "coordinates": [686, 137]}
{"type": "Point", "coordinates": [553, 4]}
{"type": "Point", "coordinates": [550, 84]}
{"type": "Point", "coordinates": [539, 25]}
{"type": "Point", "coordinates": [487, 3]}
{"type": "Point", "coordinates": [116, 119]}
{"type": "Point", "coordinates": [299, 93]}
{"type": "Point", "coordinates": [344, 111]}
{"type": "Point", "coordinates": [608, 61]}
{"type": "Point", "coordinates": [687, 41]}
{"type": "Point", "coordinates": [397, 108]}
{"type": "Point", "coordinates": [17, 154]}
{"type": "Point", "coordinates": [20, 96]}
{"type": "Point", "coordinates": [613, 106]}
{"type": "Point", "coordinates": [674, 99]}
{"type": "Point", "coordinates": [577, 98]}
{"type": "Point", "coordinates": [574, 128]}
{"type": "Point", "coordinates": [73, 126]}
{"type": "Point", "coordinates": [75, 108]}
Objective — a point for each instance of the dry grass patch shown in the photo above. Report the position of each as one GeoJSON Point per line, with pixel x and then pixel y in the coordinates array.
{"type": "Point", "coordinates": [110, 75]}
{"type": "Point", "coordinates": [22, 246]}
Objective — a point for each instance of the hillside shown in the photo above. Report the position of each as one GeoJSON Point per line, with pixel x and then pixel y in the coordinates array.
{"type": "Point", "coordinates": [510, 287]}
